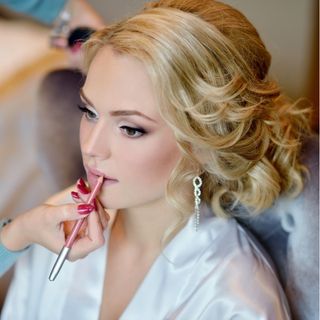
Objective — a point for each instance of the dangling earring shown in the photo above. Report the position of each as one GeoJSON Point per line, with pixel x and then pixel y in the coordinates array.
{"type": "Point", "coordinates": [197, 182]}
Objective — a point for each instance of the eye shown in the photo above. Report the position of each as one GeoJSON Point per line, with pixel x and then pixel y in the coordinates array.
{"type": "Point", "coordinates": [89, 112]}
{"type": "Point", "coordinates": [133, 132]}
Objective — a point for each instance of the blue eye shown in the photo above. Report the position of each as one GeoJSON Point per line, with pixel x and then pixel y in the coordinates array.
{"type": "Point", "coordinates": [133, 132]}
{"type": "Point", "coordinates": [89, 113]}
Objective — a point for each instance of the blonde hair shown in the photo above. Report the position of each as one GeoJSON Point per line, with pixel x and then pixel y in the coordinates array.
{"type": "Point", "coordinates": [209, 69]}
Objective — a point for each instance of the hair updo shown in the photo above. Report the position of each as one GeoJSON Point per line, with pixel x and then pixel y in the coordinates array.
{"type": "Point", "coordinates": [209, 70]}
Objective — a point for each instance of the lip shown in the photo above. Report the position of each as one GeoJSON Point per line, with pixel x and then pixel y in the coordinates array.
{"type": "Point", "coordinates": [97, 173]}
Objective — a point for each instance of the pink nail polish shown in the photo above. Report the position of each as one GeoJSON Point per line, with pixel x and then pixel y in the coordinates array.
{"type": "Point", "coordinates": [85, 208]}
{"type": "Point", "coordinates": [75, 195]}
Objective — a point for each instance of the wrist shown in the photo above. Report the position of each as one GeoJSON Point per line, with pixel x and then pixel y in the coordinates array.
{"type": "Point", "coordinates": [12, 236]}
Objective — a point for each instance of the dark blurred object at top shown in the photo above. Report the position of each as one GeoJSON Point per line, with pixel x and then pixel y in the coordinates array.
{"type": "Point", "coordinates": [79, 35]}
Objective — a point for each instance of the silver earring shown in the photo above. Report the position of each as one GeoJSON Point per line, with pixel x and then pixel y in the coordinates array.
{"type": "Point", "coordinates": [197, 182]}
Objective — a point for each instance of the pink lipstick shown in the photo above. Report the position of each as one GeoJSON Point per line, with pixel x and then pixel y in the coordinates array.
{"type": "Point", "coordinates": [93, 175]}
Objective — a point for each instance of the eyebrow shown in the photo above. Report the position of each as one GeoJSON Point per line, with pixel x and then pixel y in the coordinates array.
{"type": "Point", "coordinates": [116, 113]}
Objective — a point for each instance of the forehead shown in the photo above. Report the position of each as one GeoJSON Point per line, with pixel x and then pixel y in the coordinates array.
{"type": "Point", "coordinates": [120, 81]}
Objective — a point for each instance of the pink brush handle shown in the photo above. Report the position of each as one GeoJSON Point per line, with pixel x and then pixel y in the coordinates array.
{"type": "Point", "coordinates": [72, 236]}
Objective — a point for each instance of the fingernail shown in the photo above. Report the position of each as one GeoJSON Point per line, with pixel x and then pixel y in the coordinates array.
{"type": "Point", "coordinates": [75, 195]}
{"type": "Point", "coordinates": [83, 189]}
{"type": "Point", "coordinates": [83, 186]}
{"type": "Point", "coordinates": [81, 182]}
{"type": "Point", "coordinates": [85, 208]}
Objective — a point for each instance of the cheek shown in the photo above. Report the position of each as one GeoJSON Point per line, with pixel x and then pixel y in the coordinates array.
{"type": "Point", "coordinates": [82, 132]}
{"type": "Point", "coordinates": [154, 162]}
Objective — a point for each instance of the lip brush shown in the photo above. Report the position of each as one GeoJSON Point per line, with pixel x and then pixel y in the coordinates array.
{"type": "Point", "coordinates": [71, 238]}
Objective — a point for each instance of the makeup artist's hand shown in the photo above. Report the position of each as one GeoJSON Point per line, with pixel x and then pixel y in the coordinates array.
{"type": "Point", "coordinates": [43, 225]}
{"type": "Point", "coordinates": [91, 233]}
{"type": "Point", "coordinates": [49, 225]}
{"type": "Point", "coordinates": [94, 225]}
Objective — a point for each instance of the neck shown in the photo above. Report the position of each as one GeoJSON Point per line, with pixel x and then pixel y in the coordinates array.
{"type": "Point", "coordinates": [144, 227]}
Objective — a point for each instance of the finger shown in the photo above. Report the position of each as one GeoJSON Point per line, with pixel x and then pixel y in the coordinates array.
{"type": "Point", "coordinates": [103, 219]}
{"type": "Point", "coordinates": [92, 241]}
{"type": "Point", "coordinates": [95, 227]}
{"type": "Point", "coordinates": [111, 214]}
{"type": "Point", "coordinates": [103, 215]}
{"type": "Point", "coordinates": [82, 187]}
{"type": "Point", "coordinates": [76, 197]}
{"type": "Point", "coordinates": [69, 225]}
{"type": "Point", "coordinates": [83, 209]}
{"type": "Point", "coordinates": [84, 197]}
{"type": "Point", "coordinates": [79, 197]}
{"type": "Point", "coordinates": [61, 213]}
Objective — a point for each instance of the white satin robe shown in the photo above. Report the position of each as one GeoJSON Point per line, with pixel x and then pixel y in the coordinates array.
{"type": "Point", "coordinates": [219, 272]}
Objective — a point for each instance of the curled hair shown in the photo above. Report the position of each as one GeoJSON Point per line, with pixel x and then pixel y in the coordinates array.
{"type": "Point", "coordinates": [233, 125]}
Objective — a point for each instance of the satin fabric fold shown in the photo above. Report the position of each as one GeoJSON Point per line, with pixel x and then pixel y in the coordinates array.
{"type": "Point", "coordinates": [219, 272]}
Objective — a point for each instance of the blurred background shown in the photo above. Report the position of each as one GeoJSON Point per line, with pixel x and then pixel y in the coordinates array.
{"type": "Point", "coordinates": [289, 29]}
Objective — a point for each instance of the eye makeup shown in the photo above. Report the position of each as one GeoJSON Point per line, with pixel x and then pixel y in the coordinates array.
{"type": "Point", "coordinates": [132, 132]}
{"type": "Point", "coordinates": [127, 130]}
{"type": "Point", "coordinates": [89, 112]}
{"type": "Point", "coordinates": [115, 113]}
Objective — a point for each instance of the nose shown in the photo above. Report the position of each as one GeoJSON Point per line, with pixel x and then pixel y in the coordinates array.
{"type": "Point", "coordinates": [94, 139]}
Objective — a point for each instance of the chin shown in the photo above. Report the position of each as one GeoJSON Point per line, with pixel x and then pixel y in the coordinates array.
{"type": "Point", "coordinates": [130, 201]}
{"type": "Point", "coordinates": [114, 205]}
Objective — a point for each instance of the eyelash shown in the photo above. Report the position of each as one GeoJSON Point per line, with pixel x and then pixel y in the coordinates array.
{"type": "Point", "coordinates": [91, 116]}
{"type": "Point", "coordinates": [139, 130]}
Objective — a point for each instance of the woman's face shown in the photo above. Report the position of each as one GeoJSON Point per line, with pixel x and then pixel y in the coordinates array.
{"type": "Point", "coordinates": [122, 135]}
